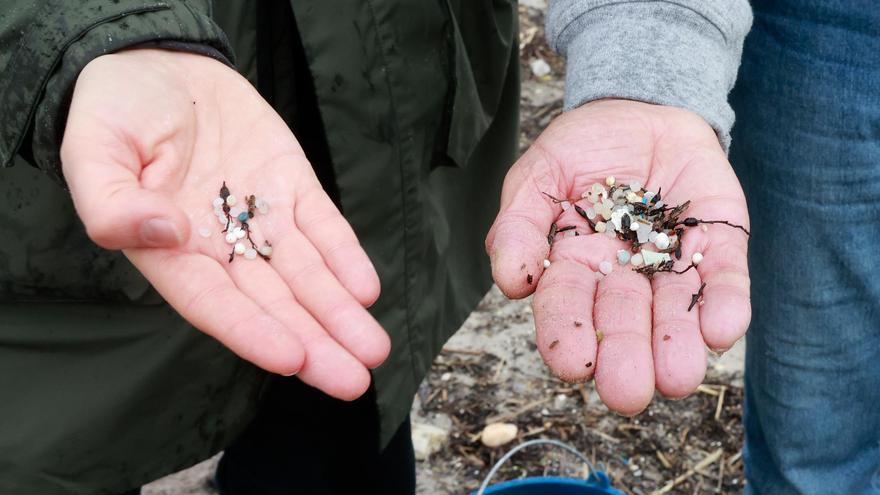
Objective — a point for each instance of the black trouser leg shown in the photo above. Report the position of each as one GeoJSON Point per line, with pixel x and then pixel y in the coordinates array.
{"type": "Point", "coordinates": [303, 442]}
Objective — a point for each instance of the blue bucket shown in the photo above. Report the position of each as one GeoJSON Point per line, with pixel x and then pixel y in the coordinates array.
{"type": "Point", "coordinates": [597, 483]}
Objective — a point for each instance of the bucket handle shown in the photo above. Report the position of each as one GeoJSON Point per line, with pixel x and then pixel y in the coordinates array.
{"type": "Point", "coordinates": [529, 443]}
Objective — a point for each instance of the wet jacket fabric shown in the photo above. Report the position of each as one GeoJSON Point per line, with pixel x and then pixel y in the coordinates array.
{"type": "Point", "coordinates": [102, 385]}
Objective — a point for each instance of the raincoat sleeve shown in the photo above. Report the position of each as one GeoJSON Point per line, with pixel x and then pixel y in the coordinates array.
{"type": "Point", "coordinates": [45, 44]}
{"type": "Point", "coordinates": [683, 53]}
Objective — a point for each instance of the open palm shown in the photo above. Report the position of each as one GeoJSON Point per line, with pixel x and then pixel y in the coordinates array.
{"type": "Point", "coordinates": [631, 333]}
{"type": "Point", "coordinates": [151, 136]}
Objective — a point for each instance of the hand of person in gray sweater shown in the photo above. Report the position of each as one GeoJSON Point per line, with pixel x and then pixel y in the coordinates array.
{"type": "Point", "coordinates": [646, 92]}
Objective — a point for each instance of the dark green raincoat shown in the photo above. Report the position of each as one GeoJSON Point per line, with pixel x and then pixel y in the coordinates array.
{"type": "Point", "coordinates": [102, 386]}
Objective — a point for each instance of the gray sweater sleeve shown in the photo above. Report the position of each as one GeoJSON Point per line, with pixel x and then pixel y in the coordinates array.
{"type": "Point", "coordinates": [682, 53]}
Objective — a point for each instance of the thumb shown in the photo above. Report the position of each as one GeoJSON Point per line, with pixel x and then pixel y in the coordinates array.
{"type": "Point", "coordinates": [517, 242]}
{"type": "Point", "coordinates": [117, 211]}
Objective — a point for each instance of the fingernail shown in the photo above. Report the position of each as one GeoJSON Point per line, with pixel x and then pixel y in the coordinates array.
{"type": "Point", "coordinates": [157, 232]}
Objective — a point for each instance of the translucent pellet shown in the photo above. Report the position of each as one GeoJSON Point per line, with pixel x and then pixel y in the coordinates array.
{"type": "Point", "coordinates": [697, 258]}
{"type": "Point", "coordinates": [623, 256]}
{"type": "Point", "coordinates": [218, 202]}
{"type": "Point", "coordinates": [240, 248]}
{"type": "Point", "coordinates": [250, 254]}
{"type": "Point", "coordinates": [204, 232]}
{"type": "Point", "coordinates": [606, 267]}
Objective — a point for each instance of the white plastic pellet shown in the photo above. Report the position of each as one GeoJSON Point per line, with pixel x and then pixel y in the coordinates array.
{"type": "Point", "coordinates": [266, 250]}
{"type": "Point", "coordinates": [697, 258]}
{"type": "Point", "coordinates": [606, 267]}
{"type": "Point", "coordinates": [600, 227]}
{"type": "Point", "coordinates": [565, 205]}
{"type": "Point", "coordinates": [239, 248]}
{"type": "Point", "coordinates": [239, 233]}
{"type": "Point", "coordinates": [591, 213]}
{"type": "Point", "coordinates": [635, 185]}
{"type": "Point", "coordinates": [634, 226]}
{"type": "Point", "coordinates": [609, 181]}
{"type": "Point", "coordinates": [231, 238]}
{"type": "Point", "coordinates": [250, 254]}
{"type": "Point", "coordinates": [636, 260]}
{"type": "Point", "coordinates": [623, 256]}
{"type": "Point", "coordinates": [217, 203]}
{"type": "Point", "coordinates": [546, 263]}
{"type": "Point", "coordinates": [230, 200]}
{"type": "Point", "coordinates": [222, 219]}
{"type": "Point", "coordinates": [662, 241]}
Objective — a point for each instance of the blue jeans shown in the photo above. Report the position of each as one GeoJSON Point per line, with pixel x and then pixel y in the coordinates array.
{"type": "Point", "coordinates": [807, 149]}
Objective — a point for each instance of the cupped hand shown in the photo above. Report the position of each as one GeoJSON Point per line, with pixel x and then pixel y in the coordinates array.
{"type": "Point", "coordinates": [629, 332]}
{"type": "Point", "coordinates": [151, 136]}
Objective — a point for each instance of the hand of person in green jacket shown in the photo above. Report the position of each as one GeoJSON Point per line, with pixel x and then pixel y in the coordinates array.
{"type": "Point", "coordinates": [648, 337]}
{"type": "Point", "coordinates": [151, 136]}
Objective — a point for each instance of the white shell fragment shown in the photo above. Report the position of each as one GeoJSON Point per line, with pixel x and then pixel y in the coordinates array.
{"type": "Point", "coordinates": [262, 206]}
{"type": "Point", "coordinates": [239, 248]}
{"type": "Point", "coordinates": [498, 434]}
{"type": "Point", "coordinates": [546, 263]}
{"type": "Point", "coordinates": [231, 238]}
{"type": "Point", "coordinates": [653, 258]}
{"type": "Point", "coordinates": [697, 258]}
{"type": "Point", "coordinates": [606, 267]}
{"type": "Point", "coordinates": [250, 254]}
{"type": "Point", "coordinates": [230, 200]}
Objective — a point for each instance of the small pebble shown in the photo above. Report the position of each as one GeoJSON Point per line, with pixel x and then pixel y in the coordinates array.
{"type": "Point", "coordinates": [218, 202]}
{"type": "Point", "coordinates": [231, 238]}
{"type": "Point", "coordinates": [623, 256]}
{"type": "Point", "coordinates": [697, 258]}
{"type": "Point", "coordinates": [662, 241]}
{"type": "Point", "coordinates": [230, 200]}
{"type": "Point", "coordinates": [204, 232]}
{"type": "Point", "coordinates": [637, 260]}
{"type": "Point", "coordinates": [606, 267]}
{"type": "Point", "coordinates": [266, 250]}
{"type": "Point", "coordinates": [609, 181]}
{"type": "Point", "coordinates": [498, 434]}
{"type": "Point", "coordinates": [250, 254]}
{"type": "Point", "coordinates": [239, 248]}
{"type": "Point", "coordinates": [546, 263]}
